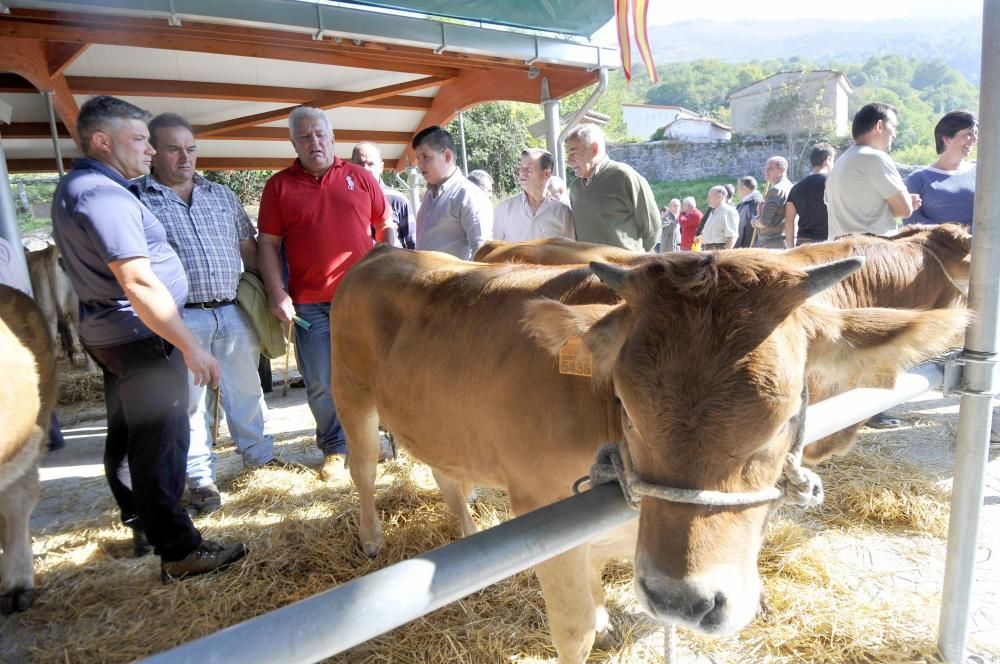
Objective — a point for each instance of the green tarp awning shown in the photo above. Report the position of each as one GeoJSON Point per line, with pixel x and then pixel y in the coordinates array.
{"type": "Point", "coordinates": [568, 17]}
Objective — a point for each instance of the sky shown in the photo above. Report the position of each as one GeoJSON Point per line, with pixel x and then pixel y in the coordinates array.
{"type": "Point", "coordinates": [663, 12]}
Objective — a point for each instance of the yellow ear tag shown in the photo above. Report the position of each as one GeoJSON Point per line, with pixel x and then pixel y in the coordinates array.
{"type": "Point", "coordinates": [878, 377]}
{"type": "Point", "coordinates": [575, 359]}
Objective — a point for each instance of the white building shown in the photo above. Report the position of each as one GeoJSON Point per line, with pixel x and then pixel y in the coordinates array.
{"type": "Point", "coordinates": [641, 120]}
{"type": "Point", "coordinates": [696, 130]}
{"type": "Point", "coordinates": [746, 104]}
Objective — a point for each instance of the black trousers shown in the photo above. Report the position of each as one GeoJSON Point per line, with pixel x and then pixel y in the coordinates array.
{"type": "Point", "coordinates": [145, 393]}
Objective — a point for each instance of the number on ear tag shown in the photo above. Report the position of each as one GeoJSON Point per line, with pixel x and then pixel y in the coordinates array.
{"type": "Point", "coordinates": [575, 359]}
{"type": "Point", "coordinates": [878, 377]}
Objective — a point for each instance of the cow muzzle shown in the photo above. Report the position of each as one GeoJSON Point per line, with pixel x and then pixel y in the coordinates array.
{"type": "Point", "coordinates": [721, 603]}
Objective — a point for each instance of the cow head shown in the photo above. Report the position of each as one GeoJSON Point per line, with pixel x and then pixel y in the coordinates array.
{"type": "Point", "coordinates": [707, 355]}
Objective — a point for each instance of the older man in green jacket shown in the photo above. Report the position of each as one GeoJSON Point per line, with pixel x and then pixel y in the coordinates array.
{"type": "Point", "coordinates": [612, 204]}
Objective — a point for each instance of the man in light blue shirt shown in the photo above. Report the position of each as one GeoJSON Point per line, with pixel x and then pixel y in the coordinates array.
{"type": "Point", "coordinates": [456, 217]}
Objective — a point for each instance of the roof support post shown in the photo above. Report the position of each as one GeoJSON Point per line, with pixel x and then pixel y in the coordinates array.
{"type": "Point", "coordinates": [550, 107]}
{"type": "Point", "coordinates": [602, 85]}
{"type": "Point", "coordinates": [979, 374]}
{"type": "Point", "coordinates": [55, 133]}
{"type": "Point", "coordinates": [8, 218]}
{"type": "Point", "coordinates": [461, 131]}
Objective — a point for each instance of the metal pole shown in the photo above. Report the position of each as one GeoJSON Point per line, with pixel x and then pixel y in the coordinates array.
{"type": "Point", "coordinates": [413, 181]}
{"type": "Point", "coordinates": [55, 133]}
{"type": "Point", "coordinates": [331, 622]}
{"type": "Point", "coordinates": [602, 85]}
{"type": "Point", "coordinates": [551, 109]}
{"type": "Point", "coordinates": [8, 219]}
{"type": "Point", "coordinates": [461, 131]}
{"type": "Point", "coordinates": [857, 405]}
{"type": "Point", "coordinates": [981, 343]}
{"type": "Point", "coordinates": [343, 617]}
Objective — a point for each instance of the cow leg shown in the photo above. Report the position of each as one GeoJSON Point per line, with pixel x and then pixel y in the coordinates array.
{"type": "Point", "coordinates": [619, 543]}
{"type": "Point", "coordinates": [456, 494]}
{"type": "Point", "coordinates": [839, 444]}
{"type": "Point", "coordinates": [17, 577]}
{"type": "Point", "coordinates": [567, 588]}
{"type": "Point", "coordinates": [361, 428]}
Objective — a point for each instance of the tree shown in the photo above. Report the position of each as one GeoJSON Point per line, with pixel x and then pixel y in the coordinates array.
{"type": "Point", "coordinates": [796, 111]}
{"type": "Point", "coordinates": [495, 135]}
{"type": "Point", "coordinates": [247, 185]}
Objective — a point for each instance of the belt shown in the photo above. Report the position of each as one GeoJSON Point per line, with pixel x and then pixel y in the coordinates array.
{"type": "Point", "coordinates": [214, 304]}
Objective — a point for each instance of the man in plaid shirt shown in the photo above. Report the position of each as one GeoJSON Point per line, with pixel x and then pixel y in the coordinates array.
{"type": "Point", "coordinates": [210, 231]}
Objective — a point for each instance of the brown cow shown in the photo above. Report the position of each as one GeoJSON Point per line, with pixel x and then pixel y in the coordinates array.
{"type": "Point", "coordinates": [923, 267]}
{"type": "Point", "coordinates": [554, 251]}
{"type": "Point", "coordinates": [56, 297]}
{"type": "Point", "coordinates": [698, 366]}
{"type": "Point", "coordinates": [27, 396]}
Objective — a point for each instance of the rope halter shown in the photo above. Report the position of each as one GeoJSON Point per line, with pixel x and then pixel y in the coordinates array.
{"type": "Point", "coordinates": [964, 292]}
{"type": "Point", "coordinates": [797, 485]}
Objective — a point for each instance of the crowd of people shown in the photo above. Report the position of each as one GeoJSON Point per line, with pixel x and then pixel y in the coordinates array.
{"type": "Point", "coordinates": [859, 192]}
{"type": "Point", "coordinates": [156, 253]}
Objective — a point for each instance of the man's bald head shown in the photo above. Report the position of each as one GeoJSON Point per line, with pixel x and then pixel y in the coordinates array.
{"type": "Point", "coordinates": [367, 156]}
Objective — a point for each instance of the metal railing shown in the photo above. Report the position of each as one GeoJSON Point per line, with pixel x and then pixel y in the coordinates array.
{"type": "Point", "coordinates": [343, 617]}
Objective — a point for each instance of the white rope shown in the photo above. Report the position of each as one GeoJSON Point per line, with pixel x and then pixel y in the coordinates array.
{"type": "Point", "coordinates": [669, 643]}
{"type": "Point", "coordinates": [962, 291]}
{"type": "Point", "coordinates": [798, 485]}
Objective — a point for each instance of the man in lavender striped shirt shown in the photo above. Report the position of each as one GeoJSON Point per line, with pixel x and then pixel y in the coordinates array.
{"type": "Point", "coordinates": [212, 234]}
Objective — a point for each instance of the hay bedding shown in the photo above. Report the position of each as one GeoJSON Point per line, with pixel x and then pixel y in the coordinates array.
{"type": "Point", "coordinates": [823, 601]}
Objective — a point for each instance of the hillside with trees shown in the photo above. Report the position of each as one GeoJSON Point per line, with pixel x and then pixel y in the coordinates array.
{"type": "Point", "coordinates": [922, 90]}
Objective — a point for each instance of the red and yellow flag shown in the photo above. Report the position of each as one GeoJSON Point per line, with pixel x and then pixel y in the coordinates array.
{"type": "Point", "coordinates": [638, 9]}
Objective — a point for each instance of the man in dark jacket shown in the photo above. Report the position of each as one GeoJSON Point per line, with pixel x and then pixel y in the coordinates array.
{"type": "Point", "coordinates": [749, 197]}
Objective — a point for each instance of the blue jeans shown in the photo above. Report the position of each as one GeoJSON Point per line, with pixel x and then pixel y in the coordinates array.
{"type": "Point", "coordinates": [312, 353]}
{"type": "Point", "coordinates": [227, 333]}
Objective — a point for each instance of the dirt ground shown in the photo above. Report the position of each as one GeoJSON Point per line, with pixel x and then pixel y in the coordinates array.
{"type": "Point", "coordinates": [73, 490]}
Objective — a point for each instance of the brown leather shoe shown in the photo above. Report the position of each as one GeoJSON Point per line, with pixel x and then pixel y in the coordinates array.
{"type": "Point", "coordinates": [206, 499]}
{"type": "Point", "coordinates": [334, 468]}
{"type": "Point", "coordinates": [208, 557]}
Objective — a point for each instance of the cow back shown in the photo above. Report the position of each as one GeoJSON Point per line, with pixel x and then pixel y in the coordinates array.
{"type": "Point", "coordinates": [25, 323]}
{"type": "Point", "coordinates": [437, 345]}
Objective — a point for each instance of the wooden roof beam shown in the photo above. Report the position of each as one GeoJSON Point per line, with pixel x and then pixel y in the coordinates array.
{"type": "Point", "coordinates": [61, 55]}
{"type": "Point", "coordinates": [41, 130]}
{"type": "Point", "coordinates": [325, 102]}
{"type": "Point", "coordinates": [29, 59]}
{"type": "Point", "coordinates": [222, 39]}
{"type": "Point", "coordinates": [139, 87]}
{"type": "Point", "coordinates": [204, 163]}
{"type": "Point", "coordinates": [470, 89]}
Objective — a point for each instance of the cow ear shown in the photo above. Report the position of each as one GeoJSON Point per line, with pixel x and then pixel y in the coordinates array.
{"type": "Point", "coordinates": [551, 323]}
{"type": "Point", "coordinates": [600, 326]}
{"type": "Point", "coordinates": [848, 343]}
{"type": "Point", "coordinates": [820, 277]}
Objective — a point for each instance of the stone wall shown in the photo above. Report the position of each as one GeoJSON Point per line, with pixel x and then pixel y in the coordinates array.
{"type": "Point", "coordinates": [680, 160]}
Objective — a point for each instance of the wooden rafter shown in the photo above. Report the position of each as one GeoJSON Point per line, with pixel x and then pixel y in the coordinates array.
{"type": "Point", "coordinates": [61, 55]}
{"type": "Point", "coordinates": [29, 59]}
{"type": "Point", "coordinates": [41, 130]}
{"type": "Point", "coordinates": [221, 39]}
{"type": "Point", "coordinates": [140, 87]}
{"type": "Point", "coordinates": [325, 102]}
{"type": "Point", "coordinates": [470, 89]}
{"type": "Point", "coordinates": [143, 87]}
{"type": "Point", "coordinates": [204, 163]}
{"type": "Point", "coordinates": [250, 41]}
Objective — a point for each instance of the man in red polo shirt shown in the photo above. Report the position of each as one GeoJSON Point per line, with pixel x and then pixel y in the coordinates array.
{"type": "Point", "coordinates": [324, 210]}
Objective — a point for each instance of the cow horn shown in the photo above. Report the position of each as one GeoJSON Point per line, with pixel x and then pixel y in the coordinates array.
{"type": "Point", "coordinates": [611, 275]}
{"type": "Point", "coordinates": [821, 277]}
